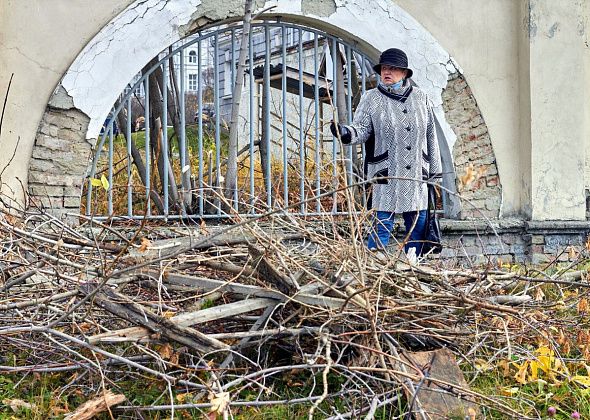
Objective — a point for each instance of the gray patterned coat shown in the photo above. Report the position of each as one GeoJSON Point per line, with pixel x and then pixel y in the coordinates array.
{"type": "Point", "coordinates": [401, 121]}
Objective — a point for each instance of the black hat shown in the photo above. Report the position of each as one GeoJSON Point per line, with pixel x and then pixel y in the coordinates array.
{"type": "Point", "coordinates": [396, 58]}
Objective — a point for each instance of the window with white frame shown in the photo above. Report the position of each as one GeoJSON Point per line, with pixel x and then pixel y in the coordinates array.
{"type": "Point", "coordinates": [192, 56]}
{"type": "Point", "coordinates": [192, 81]}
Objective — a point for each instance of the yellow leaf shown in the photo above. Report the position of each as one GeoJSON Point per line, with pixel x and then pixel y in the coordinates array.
{"type": "Point", "coordinates": [583, 306]}
{"type": "Point", "coordinates": [219, 402]}
{"type": "Point", "coordinates": [165, 351]}
{"type": "Point", "coordinates": [482, 365]}
{"type": "Point", "coordinates": [545, 358]}
{"type": "Point", "coordinates": [508, 392]}
{"type": "Point", "coordinates": [582, 380]}
{"type": "Point", "coordinates": [96, 182]}
{"type": "Point", "coordinates": [181, 398]}
{"type": "Point", "coordinates": [521, 374]}
{"type": "Point", "coordinates": [534, 365]}
{"type": "Point", "coordinates": [105, 182]}
{"type": "Point", "coordinates": [468, 177]}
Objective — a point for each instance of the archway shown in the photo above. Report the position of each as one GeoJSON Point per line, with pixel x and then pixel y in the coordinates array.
{"type": "Point", "coordinates": [109, 61]}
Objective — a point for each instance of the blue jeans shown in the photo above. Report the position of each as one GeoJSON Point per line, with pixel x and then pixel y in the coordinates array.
{"type": "Point", "coordinates": [383, 226]}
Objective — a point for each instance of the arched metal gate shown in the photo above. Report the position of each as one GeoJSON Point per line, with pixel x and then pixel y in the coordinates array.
{"type": "Point", "coordinates": [162, 150]}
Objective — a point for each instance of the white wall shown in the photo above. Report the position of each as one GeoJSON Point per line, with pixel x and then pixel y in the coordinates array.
{"type": "Point", "coordinates": [39, 40]}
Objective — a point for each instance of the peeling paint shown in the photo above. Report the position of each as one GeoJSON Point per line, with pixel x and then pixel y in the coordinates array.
{"type": "Point", "coordinates": [318, 8]}
{"type": "Point", "coordinates": [213, 11]}
{"type": "Point", "coordinates": [61, 99]}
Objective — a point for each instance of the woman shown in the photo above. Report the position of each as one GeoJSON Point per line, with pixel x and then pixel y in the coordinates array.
{"type": "Point", "coordinates": [399, 117]}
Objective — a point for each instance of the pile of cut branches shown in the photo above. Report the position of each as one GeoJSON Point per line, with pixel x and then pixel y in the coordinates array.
{"type": "Point", "coordinates": [264, 312]}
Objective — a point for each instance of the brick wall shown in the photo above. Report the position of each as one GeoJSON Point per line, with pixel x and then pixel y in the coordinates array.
{"type": "Point", "coordinates": [475, 163]}
{"type": "Point", "coordinates": [60, 155]}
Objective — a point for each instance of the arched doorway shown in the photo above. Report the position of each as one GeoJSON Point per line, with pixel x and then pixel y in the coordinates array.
{"type": "Point", "coordinates": [91, 80]}
{"type": "Point", "coordinates": [297, 79]}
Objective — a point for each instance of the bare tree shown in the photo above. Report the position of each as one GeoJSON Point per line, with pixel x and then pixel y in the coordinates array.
{"type": "Point", "coordinates": [231, 174]}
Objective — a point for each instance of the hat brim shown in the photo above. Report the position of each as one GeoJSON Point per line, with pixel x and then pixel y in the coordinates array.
{"type": "Point", "coordinates": [377, 68]}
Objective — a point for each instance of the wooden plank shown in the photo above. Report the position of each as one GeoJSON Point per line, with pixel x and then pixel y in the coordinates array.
{"type": "Point", "coordinates": [186, 319]}
{"type": "Point", "coordinates": [170, 246]}
{"type": "Point", "coordinates": [109, 300]}
{"type": "Point", "coordinates": [206, 284]}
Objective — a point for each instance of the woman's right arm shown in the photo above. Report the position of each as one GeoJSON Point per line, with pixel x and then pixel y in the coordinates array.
{"type": "Point", "coordinates": [362, 125]}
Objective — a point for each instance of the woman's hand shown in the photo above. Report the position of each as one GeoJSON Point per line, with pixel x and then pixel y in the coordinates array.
{"type": "Point", "coordinates": [342, 132]}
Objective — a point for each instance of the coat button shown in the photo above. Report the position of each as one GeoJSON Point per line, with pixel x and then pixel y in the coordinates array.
{"type": "Point", "coordinates": [409, 147]}
{"type": "Point", "coordinates": [408, 166]}
{"type": "Point", "coordinates": [405, 111]}
{"type": "Point", "coordinates": [408, 128]}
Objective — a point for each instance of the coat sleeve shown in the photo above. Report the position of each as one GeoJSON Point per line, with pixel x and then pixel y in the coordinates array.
{"type": "Point", "coordinates": [362, 125]}
{"type": "Point", "coordinates": [435, 163]}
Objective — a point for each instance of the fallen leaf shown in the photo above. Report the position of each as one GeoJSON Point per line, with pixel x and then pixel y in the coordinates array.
{"type": "Point", "coordinates": [145, 243]}
{"type": "Point", "coordinates": [165, 351]}
{"type": "Point", "coordinates": [509, 391]}
{"type": "Point", "coordinates": [482, 365]}
{"type": "Point", "coordinates": [16, 405]}
{"type": "Point", "coordinates": [582, 380]}
{"type": "Point", "coordinates": [520, 376]}
{"type": "Point", "coordinates": [219, 402]}
{"type": "Point", "coordinates": [583, 306]}
{"type": "Point", "coordinates": [181, 398]}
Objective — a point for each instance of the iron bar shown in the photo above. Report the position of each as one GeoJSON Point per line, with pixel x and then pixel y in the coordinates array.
{"type": "Point", "coordinates": [110, 188]}
{"type": "Point", "coordinates": [285, 117]}
{"type": "Point", "coordinates": [301, 126]}
{"type": "Point", "coordinates": [267, 130]}
{"type": "Point", "coordinates": [147, 143]}
{"type": "Point", "coordinates": [182, 137]}
{"type": "Point", "coordinates": [129, 159]}
{"type": "Point", "coordinates": [316, 96]}
{"type": "Point", "coordinates": [200, 123]}
{"type": "Point", "coordinates": [164, 150]}
{"type": "Point", "coordinates": [217, 125]}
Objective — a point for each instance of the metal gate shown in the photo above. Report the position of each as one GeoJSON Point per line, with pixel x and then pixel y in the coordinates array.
{"type": "Point", "coordinates": [163, 148]}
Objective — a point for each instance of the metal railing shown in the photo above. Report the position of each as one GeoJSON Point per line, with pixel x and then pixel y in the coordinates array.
{"type": "Point", "coordinates": [163, 148]}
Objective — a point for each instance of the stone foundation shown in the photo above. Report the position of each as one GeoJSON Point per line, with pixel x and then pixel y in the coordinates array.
{"type": "Point", "coordinates": [513, 240]}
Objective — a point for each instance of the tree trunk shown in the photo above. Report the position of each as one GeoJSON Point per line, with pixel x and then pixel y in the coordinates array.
{"type": "Point", "coordinates": [175, 117]}
{"type": "Point", "coordinates": [264, 145]}
{"type": "Point", "coordinates": [231, 174]}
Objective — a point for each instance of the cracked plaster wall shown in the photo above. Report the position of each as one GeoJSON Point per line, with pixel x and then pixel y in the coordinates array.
{"type": "Point", "coordinates": [560, 117]}
{"type": "Point", "coordinates": [38, 42]}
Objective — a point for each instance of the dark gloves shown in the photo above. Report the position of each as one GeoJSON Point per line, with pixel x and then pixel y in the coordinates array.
{"type": "Point", "coordinates": [345, 135]}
